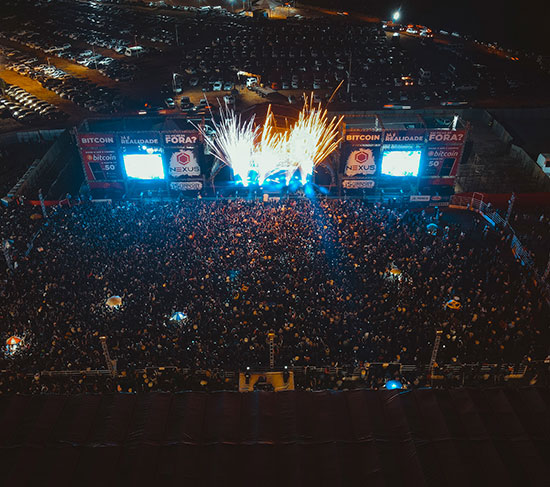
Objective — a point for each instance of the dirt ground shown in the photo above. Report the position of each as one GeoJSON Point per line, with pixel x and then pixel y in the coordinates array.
{"type": "Point", "coordinates": [9, 125]}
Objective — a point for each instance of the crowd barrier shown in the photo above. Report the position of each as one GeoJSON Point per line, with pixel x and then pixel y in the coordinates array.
{"type": "Point", "coordinates": [527, 201]}
{"type": "Point", "coordinates": [368, 375]}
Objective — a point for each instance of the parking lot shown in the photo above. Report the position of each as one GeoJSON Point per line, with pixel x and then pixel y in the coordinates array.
{"type": "Point", "coordinates": [74, 112]}
{"type": "Point", "coordinates": [94, 59]}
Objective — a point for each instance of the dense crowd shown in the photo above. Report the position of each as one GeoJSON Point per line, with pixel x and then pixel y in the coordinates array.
{"type": "Point", "coordinates": [317, 273]}
{"type": "Point", "coordinates": [533, 230]}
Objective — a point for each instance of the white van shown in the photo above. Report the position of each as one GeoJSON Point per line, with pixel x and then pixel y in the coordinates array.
{"type": "Point", "coordinates": [133, 51]}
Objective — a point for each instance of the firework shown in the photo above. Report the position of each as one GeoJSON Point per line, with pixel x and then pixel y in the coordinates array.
{"type": "Point", "coordinates": [234, 142]}
{"type": "Point", "coordinates": [272, 150]}
{"type": "Point", "coordinates": [256, 153]}
{"type": "Point", "coordinates": [312, 138]}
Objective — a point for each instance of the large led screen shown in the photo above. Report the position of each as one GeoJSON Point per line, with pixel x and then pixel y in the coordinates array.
{"type": "Point", "coordinates": [400, 162]}
{"type": "Point", "coordinates": [144, 166]}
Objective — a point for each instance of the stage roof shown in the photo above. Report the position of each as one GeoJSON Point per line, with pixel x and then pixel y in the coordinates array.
{"type": "Point", "coordinates": [463, 437]}
{"type": "Point", "coordinates": [137, 124]}
{"type": "Point", "coordinates": [401, 120]}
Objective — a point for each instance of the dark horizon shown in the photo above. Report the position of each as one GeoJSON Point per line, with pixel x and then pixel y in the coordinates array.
{"type": "Point", "coordinates": [511, 25]}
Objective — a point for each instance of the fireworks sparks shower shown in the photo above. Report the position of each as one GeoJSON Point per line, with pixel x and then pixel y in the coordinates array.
{"type": "Point", "coordinates": [234, 143]}
{"type": "Point", "coordinates": [312, 139]}
{"type": "Point", "coordinates": [257, 153]}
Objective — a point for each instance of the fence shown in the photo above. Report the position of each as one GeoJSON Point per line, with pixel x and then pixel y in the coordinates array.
{"type": "Point", "coordinates": [369, 375]}
{"type": "Point", "coordinates": [30, 136]}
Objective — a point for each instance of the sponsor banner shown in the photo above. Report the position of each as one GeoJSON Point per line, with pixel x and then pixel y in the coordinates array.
{"type": "Point", "coordinates": [140, 138]}
{"type": "Point", "coordinates": [183, 163]}
{"type": "Point", "coordinates": [448, 181]}
{"type": "Point", "coordinates": [420, 197]}
{"type": "Point", "coordinates": [415, 136]}
{"type": "Point", "coordinates": [186, 186]}
{"type": "Point", "coordinates": [357, 184]}
{"type": "Point", "coordinates": [361, 162]}
{"type": "Point", "coordinates": [445, 136]}
{"type": "Point", "coordinates": [101, 165]}
{"type": "Point", "coordinates": [365, 137]}
{"type": "Point", "coordinates": [96, 140]}
{"type": "Point", "coordinates": [441, 161]}
{"type": "Point", "coordinates": [100, 185]}
{"type": "Point", "coordinates": [180, 138]}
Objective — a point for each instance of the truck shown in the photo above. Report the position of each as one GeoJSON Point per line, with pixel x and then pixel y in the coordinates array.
{"type": "Point", "coordinates": [251, 78]}
{"type": "Point", "coordinates": [264, 91]}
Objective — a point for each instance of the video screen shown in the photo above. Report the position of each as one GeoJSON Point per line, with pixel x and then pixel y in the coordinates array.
{"type": "Point", "coordinates": [400, 163]}
{"type": "Point", "coordinates": [144, 166]}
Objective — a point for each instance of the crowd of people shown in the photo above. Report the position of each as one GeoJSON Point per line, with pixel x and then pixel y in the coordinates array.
{"type": "Point", "coordinates": [340, 282]}
{"type": "Point", "coordinates": [533, 230]}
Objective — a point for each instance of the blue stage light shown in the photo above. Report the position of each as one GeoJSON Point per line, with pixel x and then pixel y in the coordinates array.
{"type": "Point", "coordinates": [394, 384]}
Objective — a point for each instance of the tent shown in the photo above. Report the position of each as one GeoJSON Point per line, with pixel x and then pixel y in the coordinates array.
{"type": "Point", "coordinates": [265, 5]}
{"type": "Point", "coordinates": [178, 316]}
{"type": "Point", "coordinates": [432, 228]}
{"type": "Point", "coordinates": [114, 302]}
{"type": "Point", "coordinates": [453, 304]}
{"type": "Point", "coordinates": [385, 438]}
{"type": "Point", "coordinates": [394, 274]}
{"type": "Point", "coordinates": [13, 341]}
{"type": "Point", "coordinates": [12, 344]}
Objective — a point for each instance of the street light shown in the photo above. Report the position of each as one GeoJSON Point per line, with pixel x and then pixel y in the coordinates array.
{"type": "Point", "coordinates": [396, 15]}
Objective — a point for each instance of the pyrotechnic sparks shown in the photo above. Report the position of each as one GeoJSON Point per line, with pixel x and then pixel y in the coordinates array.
{"type": "Point", "coordinates": [258, 153]}
{"type": "Point", "coordinates": [312, 138]}
{"type": "Point", "coordinates": [234, 142]}
{"type": "Point", "coordinates": [269, 150]}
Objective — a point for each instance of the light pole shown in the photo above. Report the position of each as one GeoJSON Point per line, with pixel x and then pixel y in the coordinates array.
{"type": "Point", "coordinates": [95, 60]}
{"type": "Point", "coordinates": [396, 16]}
{"type": "Point", "coordinates": [175, 87]}
{"type": "Point", "coordinates": [510, 207]}
{"type": "Point", "coordinates": [546, 271]}
{"type": "Point", "coordinates": [42, 204]}
{"type": "Point", "coordinates": [271, 342]}
{"type": "Point", "coordinates": [435, 349]}
{"type": "Point", "coordinates": [111, 364]}
{"type": "Point", "coordinates": [349, 73]}
{"type": "Point", "coordinates": [6, 248]}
